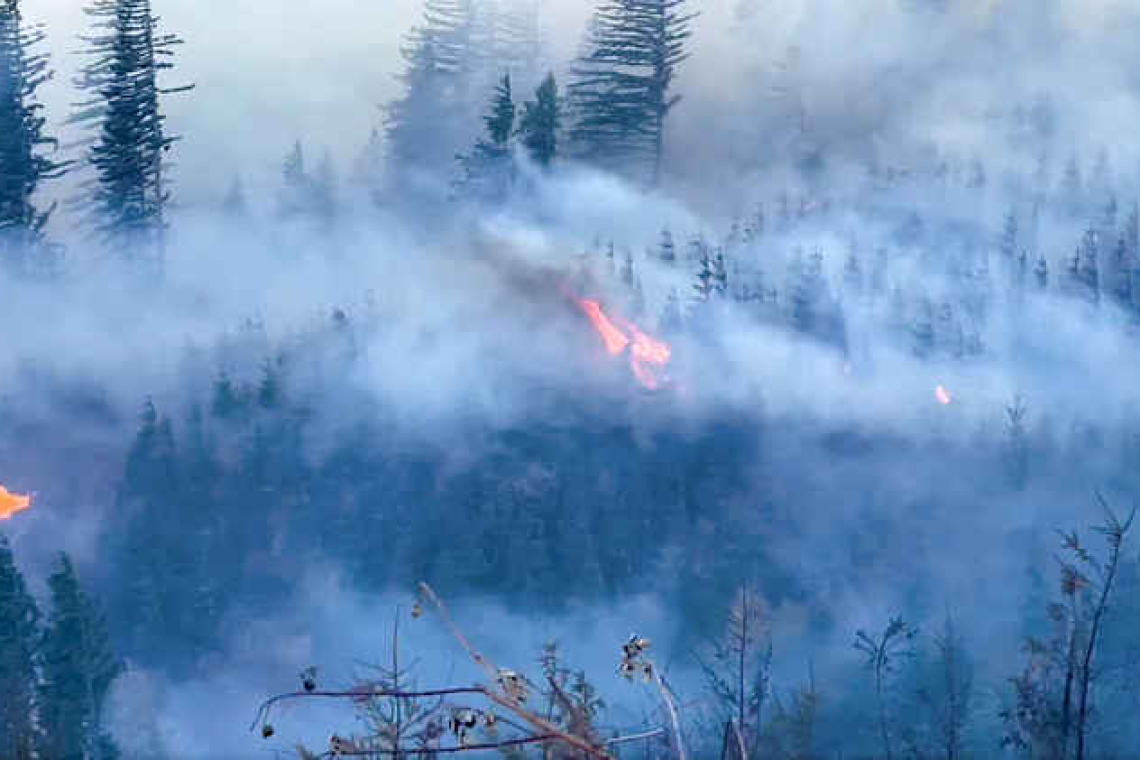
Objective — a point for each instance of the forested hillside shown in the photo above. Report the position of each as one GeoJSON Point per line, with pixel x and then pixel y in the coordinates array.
{"type": "Point", "coordinates": [777, 357]}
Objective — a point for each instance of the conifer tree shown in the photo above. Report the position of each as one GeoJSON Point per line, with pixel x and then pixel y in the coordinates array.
{"type": "Point", "coordinates": [1072, 186]}
{"type": "Point", "coordinates": [853, 273]}
{"type": "Point", "coordinates": [540, 121]}
{"type": "Point", "coordinates": [426, 127]}
{"type": "Point", "coordinates": [807, 288]}
{"type": "Point", "coordinates": [1121, 288]}
{"type": "Point", "coordinates": [1041, 274]}
{"type": "Point", "coordinates": [149, 536]}
{"type": "Point", "coordinates": [671, 321]}
{"type": "Point", "coordinates": [704, 284]}
{"type": "Point", "coordinates": [622, 88]}
{"type": "Point", "coordinates": [1008, 245]}
{"type": "Point", "coordinates": [129, 196]}
{"type": "Point", "coordinates": [489, 170]}
{"type": "Point", "coordinates": [19, 654]}
{"type": "Point", "coordinates": [295, 197]}
{"type": "Point", "coordinates": [666, 249]}
{"type": "Point", "coordinates": [1086, 266]}
{"type": "Point", "coordinates": [922, 330]}
{"type": "Point", "coordinates": [367, 173]}
{"type": "Point", "coordinates": [325, 191]}
{"type": "Point", "coordinates": [79, 669]}
{"type": "Point", "coordinates": [519, 43]}
{"type": "Point", "coordinates": [23, 165]}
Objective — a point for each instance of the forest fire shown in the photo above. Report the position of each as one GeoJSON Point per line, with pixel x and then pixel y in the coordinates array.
{"type": "Point", "coordinates": [648, 356]}
{"type": "Point", "coordinates": [943, 396]}
{"type": "Point", "coordinates": [11, 503]}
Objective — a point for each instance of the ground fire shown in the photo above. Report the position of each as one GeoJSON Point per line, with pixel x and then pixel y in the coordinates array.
{"type": "Point", "coordinates": [11, 503]}
{"type": "Point", "coordinates": [648, 357]}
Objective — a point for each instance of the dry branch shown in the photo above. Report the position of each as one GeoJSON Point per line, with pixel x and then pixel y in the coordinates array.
{"type": "Point", "coordinates": [504, 700]}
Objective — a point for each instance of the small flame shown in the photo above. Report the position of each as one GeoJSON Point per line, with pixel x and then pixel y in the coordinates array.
{"type": "Point", "coordinates": [647, 356]}
{"type": "Point", "coordinates": [11, 503]}
{"type": "Point", "coordinates": [943, 396]}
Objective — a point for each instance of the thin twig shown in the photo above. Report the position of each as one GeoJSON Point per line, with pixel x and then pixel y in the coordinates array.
{"type": "Point", "coordinates": [263, 710]}
{"type": "Point", "coordinates": [502, 700]}
{"type": "Point", "coordinates": [480, 660]}
{"type": "Point", "coordinates": [361, 752]}
{"type": "Point", "coordinates": [635, 737]}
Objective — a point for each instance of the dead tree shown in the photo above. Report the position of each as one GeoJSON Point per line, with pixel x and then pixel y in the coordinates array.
{"type": "Point", "coordinates": [1114, 531]}
{"type": "Point", "coordinates": [1053, 694]}
{"type": "Point", "coordinates": [882, 654]}
{"type": "Point", "coordinates": [738, 671]}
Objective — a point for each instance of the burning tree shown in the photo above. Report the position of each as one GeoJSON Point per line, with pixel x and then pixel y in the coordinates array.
{"type": "Point", "coordinates": [404, 721]}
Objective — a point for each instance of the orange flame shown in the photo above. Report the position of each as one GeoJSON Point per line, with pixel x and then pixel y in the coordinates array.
{"type": "Point", "coordinates": [614, 339]}
{"type": "Point", "coordinates": [943, 396]}
{"type": "Point", "coordinates": [647, 356]}
{"type": "Point", "coordinates": [11, 503]}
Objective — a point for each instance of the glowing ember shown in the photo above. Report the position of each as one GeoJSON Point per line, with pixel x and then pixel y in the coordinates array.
{"type": "Point", "coordinates": [943, 396]}
{"type": "Point", "coordinates": [11, 503]}
{"type": "Point", "coordinates": [648, 356]}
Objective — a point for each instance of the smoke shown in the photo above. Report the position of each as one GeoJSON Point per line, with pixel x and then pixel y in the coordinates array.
{"type": "Point", "coordinates": [347, 635]}
{"type": "Point", "coordinates": [467, 320]}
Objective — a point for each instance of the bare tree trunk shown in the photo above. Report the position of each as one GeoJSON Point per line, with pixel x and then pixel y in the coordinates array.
{"type": "Point", "coordinates": [1070, 667]}
{"type": "Point", "coordinates": [744, 628]}
{"type": "Point", "coordinates": [882, 707]}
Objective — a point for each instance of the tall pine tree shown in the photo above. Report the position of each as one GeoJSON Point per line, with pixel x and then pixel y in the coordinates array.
{"type": "Point", "coordinates": [22, 162]}
{"type": "Point", "coordinates": [128, 198]}
{"type": "Point", "coordinates": [295, 196]}
{"type": "Point", "coordinates": [490, 168]}
{"type": "Point", "coordinates": [19, 648]}
{"type": "Point", "coordinates": [622, 88]}
{"type": "Point", "coordinates": [540, 122]}
{"type": "Point", "coordinates": [78, 671]}
{"type": "Point", "coordinates": [427, 127]}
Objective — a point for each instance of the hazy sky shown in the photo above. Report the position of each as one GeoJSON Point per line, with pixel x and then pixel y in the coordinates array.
{"type": "Point", "coordinates": [267, 73]}
{"type": "Point", "coordinates": [871, 72]}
